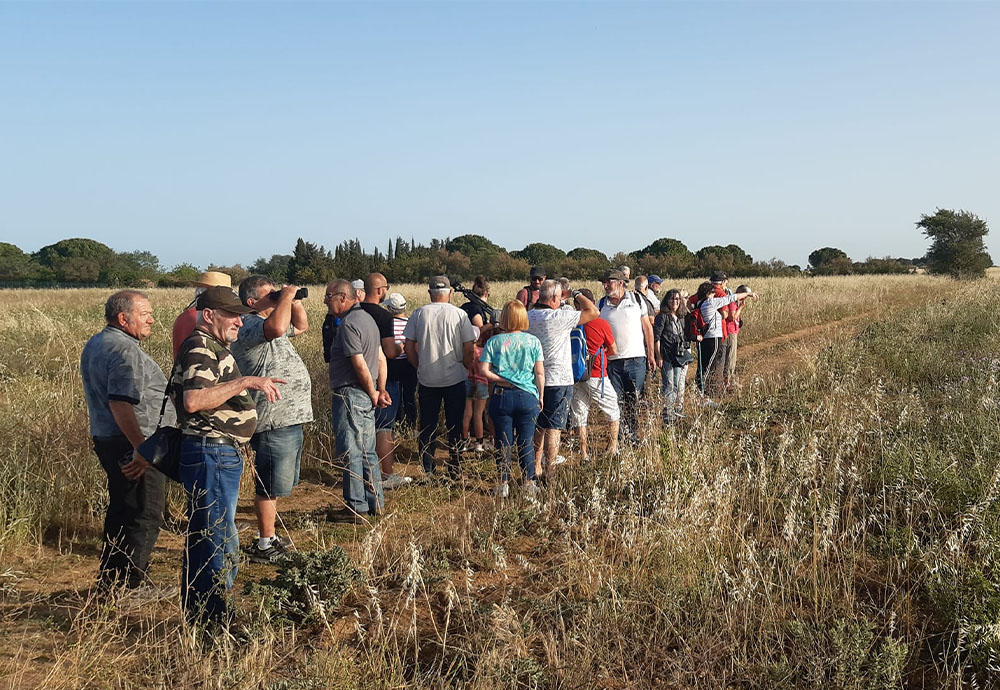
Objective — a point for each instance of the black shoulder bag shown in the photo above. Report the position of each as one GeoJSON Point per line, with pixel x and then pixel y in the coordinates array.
{"type": "Point", "coordinates": [162, 450]}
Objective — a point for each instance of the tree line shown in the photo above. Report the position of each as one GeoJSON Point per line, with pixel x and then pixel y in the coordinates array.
{"type": "Point", "coordinates": [957, 248]}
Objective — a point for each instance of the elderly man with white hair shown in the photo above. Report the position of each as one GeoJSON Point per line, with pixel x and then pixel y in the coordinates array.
{"type": "Point", "coordinates": [439, 344]}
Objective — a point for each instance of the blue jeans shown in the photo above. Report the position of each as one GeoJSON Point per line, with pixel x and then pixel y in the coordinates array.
{"type": "Point", "coordinates": [211, 475]}
{"type": "Point", "coordinates": [674, 379]}
{"type": "Point", "coordinates": [431, 398]}
{"type": "Point", "coordinates": [514, 412]}
{"type": "Point", "coordinates": [277, 460]}
{"type": "Point", "coordinates": [628, 378]}
{"type": "Point", "coordinates": [354, 433]}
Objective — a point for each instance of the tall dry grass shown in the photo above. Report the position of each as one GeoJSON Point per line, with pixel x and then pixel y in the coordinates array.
{"type": "Point", "coordinates": [836, 527]}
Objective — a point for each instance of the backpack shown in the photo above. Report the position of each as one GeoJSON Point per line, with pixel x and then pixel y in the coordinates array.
{"type": "Point", "coordinates": [583, 363]}
{"type": "Point", "coordinates": [694, 323]}
{"type": "Point", "coordinates": [635, 298]}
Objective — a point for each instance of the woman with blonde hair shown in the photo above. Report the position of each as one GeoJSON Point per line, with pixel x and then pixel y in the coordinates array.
{"type": "Point", "coordinates": [512, 362]}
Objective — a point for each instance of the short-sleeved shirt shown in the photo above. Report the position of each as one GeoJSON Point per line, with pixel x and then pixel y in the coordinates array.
{"type": "Point", "coordinates": [115, 367]}
{"type": "Point", "coordinates": [513, 357]}
{"type": "Point", "coordinates": [257, 356]}
{"type": "Point", "coordinates": [204, 362]}
{"type": "Point", "coordinates": [382, 317]}
{"type": "Point", "coordinates": [599, 335]}
{"type": "Point", "coordinates": [625, 320]}
{"type": "Point", "coordinates": [473, 310]}
{"type": "Point", "coordinates": [648, 304]}
{"type": "Point", "coordinates": [552, 327]}
{"type": "Point", "coordinates": [440, 330]}
{"type": "Point", "coordinates": [356, 335]}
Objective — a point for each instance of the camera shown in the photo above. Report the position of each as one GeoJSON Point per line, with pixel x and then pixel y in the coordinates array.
{"type": "Point", "coordinates": [492, 315]}
{"type": "Point", "coordinates": [301, 293]}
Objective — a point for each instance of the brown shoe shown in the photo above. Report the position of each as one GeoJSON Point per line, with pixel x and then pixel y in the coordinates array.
{"type": "Point", "coordinates": [346, 516]}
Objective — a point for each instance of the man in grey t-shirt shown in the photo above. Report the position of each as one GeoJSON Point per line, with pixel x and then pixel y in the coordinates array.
{"type": "Point", "coordinates": [125, 390]}
{"type": "Point", "coordinates": [357, 381]}
{"type": "Point", "coordinates": [439, 343]}
{"type": "Point", "coordinates": [264, 348]}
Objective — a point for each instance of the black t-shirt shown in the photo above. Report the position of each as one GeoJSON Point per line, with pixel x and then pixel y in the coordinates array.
{"type": "Point", "coordinates": [383, 319]}
{"type": "Point", "coordinates": [472, 309]}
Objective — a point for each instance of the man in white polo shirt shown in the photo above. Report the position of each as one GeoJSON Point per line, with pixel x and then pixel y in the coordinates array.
{"type": "Point", "coordinates": [552, 326]}
{"type": "Point", "coordinates": [633, 333]}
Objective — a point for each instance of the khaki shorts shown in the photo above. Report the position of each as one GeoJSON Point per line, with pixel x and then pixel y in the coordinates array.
{"type": "Point", "coordinates": [591, 390]}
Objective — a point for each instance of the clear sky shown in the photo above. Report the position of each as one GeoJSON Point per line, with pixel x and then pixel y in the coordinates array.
{"type": "Point", "coordinates": [223, 131]}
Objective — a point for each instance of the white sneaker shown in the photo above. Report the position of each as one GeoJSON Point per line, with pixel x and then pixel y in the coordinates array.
{"type": "Point", "coordinates": [558, 461]}
{"type": "Point", "coordinates": [502, 490]}
{"type": "Point", "coordinates": [395, 480]}
{"type": "Point", "coordinates": [530, 488]}
{"type": "Point", "coordinates": [708, 402]}
{"type": "Point", "coordinates": [479, 447]}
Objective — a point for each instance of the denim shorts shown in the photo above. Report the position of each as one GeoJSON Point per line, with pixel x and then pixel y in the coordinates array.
{"type": "Point", "coordinates": [477, 390]}
{"type": "Point", "coordinates": [555, 407]}
{"type": "Point", "coordinates": [385, 417]}
{"type": "Point", "coordinates": [277, 461]}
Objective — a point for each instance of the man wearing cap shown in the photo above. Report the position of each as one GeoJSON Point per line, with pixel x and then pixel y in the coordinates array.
{"type": "Point", "coordinates": [216, 415]}
{"type": "Point", "coordinates": [633, 334]}
{"type": "Point", "coordinates": [357, 383]}
{"type": "Point", "coordinates": [187, 319]}
{"type": "Point", "coordinates": [552, 326]}
{"type": "Point", "coordinates": [264, 348]}
{"type": "Point", "coordinates": [124, 389]}
{"type": "Point", "coordinates": [529, 293]}
{"type": "Point", "coordinates": [376, 288]}
{"type": "Point", "coordinates": [439, 343]}
{"type": "Point", "coordinates": [655, 282]}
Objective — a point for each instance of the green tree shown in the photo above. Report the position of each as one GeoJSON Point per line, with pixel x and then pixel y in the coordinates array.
{"type": "Point", "coordinates": [826, 255]}
{"type": "Point", "coordinates": [77, 260]}
{"type": "Point", "coordinates": [587, 254]}
{"type": "Point", "coordinates": [540, 254]}
{"type": "Point", "coordinates": [16, 266]}
{"type": "Point", "coordinates": [957, 246]}
{"type": "Point", "coordinates": [133, 268]}
{"type": "Point", "coordinates": [471, 245]}
{"type": "Point", "coordinates": [310, 264]}
{"type": "Point", "coordinates": [275, 268]}
{"type": "Point", "coordinates": [665, 246]}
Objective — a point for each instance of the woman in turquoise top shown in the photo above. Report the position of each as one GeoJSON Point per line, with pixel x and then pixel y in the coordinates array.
{"type": "Point", "coordinates": [512, 362]}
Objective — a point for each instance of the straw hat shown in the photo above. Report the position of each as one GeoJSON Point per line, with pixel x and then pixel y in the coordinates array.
{"type": "Point", "coordinates": [213, 279]}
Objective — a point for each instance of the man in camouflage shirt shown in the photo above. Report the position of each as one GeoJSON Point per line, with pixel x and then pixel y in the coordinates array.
{"type": "Point", "coordinates": [264, 348]}
{"type": "Point", "coordinates": [216, 415]}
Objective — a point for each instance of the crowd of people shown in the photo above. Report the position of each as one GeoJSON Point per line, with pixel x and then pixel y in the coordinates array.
{"type": "Point", "coordinates": [518, 376]}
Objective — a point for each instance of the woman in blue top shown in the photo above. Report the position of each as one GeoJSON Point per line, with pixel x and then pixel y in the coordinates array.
{"type": "Point", "coordinates": [512, 362]}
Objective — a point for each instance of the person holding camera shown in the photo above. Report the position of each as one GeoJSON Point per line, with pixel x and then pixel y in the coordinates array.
{"type": "Point", "coordinates": [673, 353]}
{"type": "Point", "coordinates": [264, 349]}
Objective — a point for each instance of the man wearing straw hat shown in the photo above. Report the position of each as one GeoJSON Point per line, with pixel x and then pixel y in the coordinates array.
{"type": "Point", "coordinates": [184, 324]}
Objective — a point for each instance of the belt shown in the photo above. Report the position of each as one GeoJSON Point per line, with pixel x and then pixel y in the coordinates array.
{"type": "Point", "coordinates": [211, 440]}
{"type": "Point", "coordinates": [504, 384]}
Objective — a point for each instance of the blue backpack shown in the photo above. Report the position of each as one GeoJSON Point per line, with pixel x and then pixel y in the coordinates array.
{"type": "Point", "coordinates": [583, 363]}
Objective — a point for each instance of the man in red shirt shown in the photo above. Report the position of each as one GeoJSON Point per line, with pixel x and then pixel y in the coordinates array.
{"type": "Point", "coordinates": [600, 344]}
{"type": "Point", "coordinates": [184, 324]}
{"type": "Point", "coordinates": [528, 295]}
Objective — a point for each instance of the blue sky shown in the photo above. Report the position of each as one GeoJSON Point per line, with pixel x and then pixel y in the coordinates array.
{"type": "Point", "coordinates": [223, 131]}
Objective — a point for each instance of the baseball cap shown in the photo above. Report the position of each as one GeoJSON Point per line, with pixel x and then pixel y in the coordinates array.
{"type": "Point", "coordinates": [439, 283]}
{"type": "Point", "coordinates": [394, 302]}
{"type": "Point", "coordinates": [538, 272]}
{"type": "Point", "coordinates": [654, 279]}
{"type": "Point", "coordinates": [718, 277]}
{"type": "Point", "coordinates": [613, 274]}
{"type": "Point", "coordinates": [222, 297]}
{"type": "Point", "coordinates": [212, 279]}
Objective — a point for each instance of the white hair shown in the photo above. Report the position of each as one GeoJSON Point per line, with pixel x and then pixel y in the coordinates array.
{"type": "Point", "coordinates": [549, 290]}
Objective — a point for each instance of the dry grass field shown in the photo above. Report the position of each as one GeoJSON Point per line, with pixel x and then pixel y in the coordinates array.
{"type": "Point", "coordinates": [833, 525]}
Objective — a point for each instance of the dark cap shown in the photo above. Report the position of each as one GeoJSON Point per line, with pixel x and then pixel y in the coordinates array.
{"type": "Point", "coordinates": [654, 279]}
{"type": "Point", "coordinates": [438, 283]}
{"type": "Point", "coordinates": [718, 277]}
{"type": "Point", "coordinates": [613, 274]}
{"type": "Point", "coordinates": [222, 297]}
{"type": "Point", "coordinates": [538, 272]}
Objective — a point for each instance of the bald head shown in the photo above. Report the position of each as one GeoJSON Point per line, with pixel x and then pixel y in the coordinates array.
{"type": "Point", "coordinates": [376, 287]}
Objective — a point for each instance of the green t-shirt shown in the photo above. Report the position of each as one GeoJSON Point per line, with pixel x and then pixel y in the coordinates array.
{"type": "Point", "coordinates": [513, 356]}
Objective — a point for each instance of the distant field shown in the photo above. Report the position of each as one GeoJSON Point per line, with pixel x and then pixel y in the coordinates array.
{"type": "Point", "coordinates": [836, 524]}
